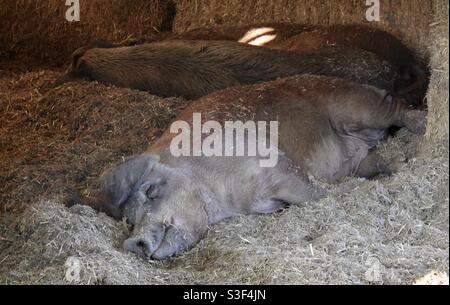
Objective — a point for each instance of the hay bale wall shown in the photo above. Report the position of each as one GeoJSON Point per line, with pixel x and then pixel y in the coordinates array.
{"type": "Point", "coordinates": [407, 19]}
{"type": "Point", "coordinates": [36, 32]}
{"type": "Point", "coordinates": [438, 128]}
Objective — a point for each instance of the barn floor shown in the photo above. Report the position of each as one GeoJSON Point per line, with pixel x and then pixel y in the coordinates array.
{"type": "Point", "coordinates": [387, 231]}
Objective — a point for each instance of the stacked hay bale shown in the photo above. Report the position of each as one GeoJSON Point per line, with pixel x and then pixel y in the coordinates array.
{"type": "Point", "coordinates": [36, 32]}
{"type": "Point", "coordinates": [438, 128]}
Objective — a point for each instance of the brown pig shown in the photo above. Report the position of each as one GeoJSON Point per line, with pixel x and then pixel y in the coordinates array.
{"type": "Point", "coordinates": [310, 39]}
{"type": "Point", "coordinates": [192, 69]}
{"type": "Point", "coordinates": [326, 127]}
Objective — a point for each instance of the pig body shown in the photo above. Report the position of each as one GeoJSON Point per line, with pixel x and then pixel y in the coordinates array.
{"type": "Point", "coordinates": [309, 39]}
{"type": "Point", "coordinates": [328, 128]}
{"type": "Point", "coordinates": [192, 69]}
{"type": "Point", "coordinates": [256, 34]}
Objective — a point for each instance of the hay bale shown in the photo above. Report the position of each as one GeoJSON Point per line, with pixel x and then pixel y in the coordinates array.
{"type": "Point", "coordinates": [438, 126]}
{"type": "Point", "coordinates": [36, 32]}
{"type": "Point", "coordinates": [407, 19]}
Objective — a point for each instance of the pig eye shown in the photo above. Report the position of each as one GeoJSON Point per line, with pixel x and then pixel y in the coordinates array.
{"type": "Point", "coordinates": [152, 192]}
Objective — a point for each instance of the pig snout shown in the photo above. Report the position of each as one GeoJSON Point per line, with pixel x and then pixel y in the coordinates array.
{"type": "Point", "coordinates": [144, 245]}
{"type": "Point", "coordinates": [145, 239]}
{"type": "Point", "coordinates": [156, 240]}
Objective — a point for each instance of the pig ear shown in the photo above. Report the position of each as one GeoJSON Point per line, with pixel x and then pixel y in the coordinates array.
{"type": "Point", "coordinates": [152, 187]}
{"type": "Point", "coordinates": [95, 201]}
{"type": "Point", "coordinates": [98, 43]}
{"type": "Point", "coordinates": [120, 182]}
{"type": "Point", "coordinates": [98, 203]}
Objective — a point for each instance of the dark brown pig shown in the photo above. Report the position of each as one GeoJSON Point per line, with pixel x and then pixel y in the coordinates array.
{"type": "Point", "coordinates": [413, 82]}
{"type": "Point", "coordinates": [314, 37]}
{"type": "Point", "coordinates": [192, 69]}
{"type": "Point", "coordinates": [326, 127]}
{"type": "Point", "coordinates": [256, 34]}
{"type": "Point", "coordinates": [309, 39]}
{"type": "Point", "coordinates": [305, 38]}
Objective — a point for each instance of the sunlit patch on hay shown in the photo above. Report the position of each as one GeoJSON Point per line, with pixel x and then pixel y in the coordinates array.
{"type": "Point", "coordinates": [433, 278]}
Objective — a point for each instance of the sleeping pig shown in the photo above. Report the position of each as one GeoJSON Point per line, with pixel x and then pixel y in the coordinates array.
{"type": "Point", "coordinates": [192, 69]}
{"type": "Point", "coordinates": [308, 38]}
{"type": "Point", "coordinates": [315, 39]}
{"type": "Point", "coordinates": [320, 126]}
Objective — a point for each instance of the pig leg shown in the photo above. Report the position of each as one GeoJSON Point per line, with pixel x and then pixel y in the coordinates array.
{"type": "Point", "coordinates": [75, 75]}
{"type": "Point", "coordinates": [268, 206]}
{"type": "Point", "coordinates": [130, 42]}
{"type": "Point", "coordinates": [372, 112]}
{"type": "Point", "coordinates": [414, 120]}
{"type": "Point", "coordinates": [371, 108]}
{"type": "Point", "coordinates": [285, 197]}
{"type": "Point", "coordinates": [285, 189]}
{"type": "Point", "coordinates": [374, 165]}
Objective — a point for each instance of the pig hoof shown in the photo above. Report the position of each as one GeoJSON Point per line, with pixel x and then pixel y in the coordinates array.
{"type": "Point", "coordinates": [395, 164]}
{"type": "Point", "coordinates": [269, 206]}
{"type": "Point", "coordinates": [132, 42]}
{"type": "Point", "coordinates": [415, 121]}
{"type": "Point", "coordinates": [71, 197]}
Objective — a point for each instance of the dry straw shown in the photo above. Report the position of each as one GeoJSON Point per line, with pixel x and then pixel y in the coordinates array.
{"type": "Point", "coordinates": [392, 230]}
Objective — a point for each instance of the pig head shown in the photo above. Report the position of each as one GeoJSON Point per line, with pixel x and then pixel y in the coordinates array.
{"type": "Point", "coordinates": [167, 209]}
